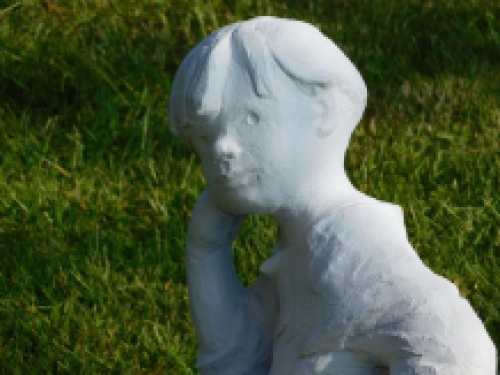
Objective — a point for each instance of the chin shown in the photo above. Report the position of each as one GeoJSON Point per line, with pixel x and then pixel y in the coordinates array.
{"type": "Point", "coordinates": [240, 203]}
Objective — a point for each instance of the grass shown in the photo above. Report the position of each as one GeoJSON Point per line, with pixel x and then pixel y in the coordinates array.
{"type": "Point", "coordinates": [95, 194]}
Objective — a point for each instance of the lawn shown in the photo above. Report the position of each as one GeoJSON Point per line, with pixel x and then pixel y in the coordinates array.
{"type": "Point", "coordinates": [95, 194]}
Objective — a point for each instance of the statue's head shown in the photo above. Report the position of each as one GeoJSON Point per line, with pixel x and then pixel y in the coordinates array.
{"type": "Point", "coordinates": [256, 99]}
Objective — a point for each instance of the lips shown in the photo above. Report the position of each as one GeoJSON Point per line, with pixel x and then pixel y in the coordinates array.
{"type": "Point", "coordinates": [234, 180]}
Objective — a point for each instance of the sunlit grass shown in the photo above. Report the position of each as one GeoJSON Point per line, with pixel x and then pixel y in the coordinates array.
{"type": "Point", "coordinates": [95, 194]}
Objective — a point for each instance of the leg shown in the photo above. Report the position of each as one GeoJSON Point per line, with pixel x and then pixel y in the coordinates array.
{"type": "Point", "coordinates": [340, 363]}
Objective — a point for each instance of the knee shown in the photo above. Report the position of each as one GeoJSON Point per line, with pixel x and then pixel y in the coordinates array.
{"type": "Point", "coordinates": [415, 366]}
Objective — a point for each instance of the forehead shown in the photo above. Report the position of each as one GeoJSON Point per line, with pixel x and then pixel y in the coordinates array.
{"type": "Point", "coordinates": [236, 99]}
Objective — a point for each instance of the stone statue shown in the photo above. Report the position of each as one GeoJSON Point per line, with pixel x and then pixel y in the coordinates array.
{"type": "Point", "coordinates": [269, 104]}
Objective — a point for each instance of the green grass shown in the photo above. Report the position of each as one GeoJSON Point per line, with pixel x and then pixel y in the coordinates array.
{"type": "Point", "coordinates": [95, 194]}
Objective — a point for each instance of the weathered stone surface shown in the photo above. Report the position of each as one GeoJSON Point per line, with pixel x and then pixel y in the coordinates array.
{"type": "Point", "coordinates": [269, 105]}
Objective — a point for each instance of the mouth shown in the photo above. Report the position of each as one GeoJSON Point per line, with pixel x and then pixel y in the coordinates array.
{"type": "Point", "coordinates": [236, 180]}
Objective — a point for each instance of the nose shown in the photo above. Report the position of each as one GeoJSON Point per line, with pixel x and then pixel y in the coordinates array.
{"type": "Point", "coordinates": [226, 148]}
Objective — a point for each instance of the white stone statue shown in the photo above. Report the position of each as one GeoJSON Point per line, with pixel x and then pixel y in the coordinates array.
{"type": "Point", "coordinates": [269, 104]}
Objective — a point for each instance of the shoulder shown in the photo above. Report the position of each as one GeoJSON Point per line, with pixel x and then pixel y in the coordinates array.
{"type": "Point", "coordinates": [369, 222]}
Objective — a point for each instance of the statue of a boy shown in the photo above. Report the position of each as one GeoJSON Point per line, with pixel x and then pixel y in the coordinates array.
{"type": "Point", "coordinates": [269, 105]}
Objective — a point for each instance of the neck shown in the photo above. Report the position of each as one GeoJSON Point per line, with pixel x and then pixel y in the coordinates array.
{"type": "Point", "coordinates": [325, 197]}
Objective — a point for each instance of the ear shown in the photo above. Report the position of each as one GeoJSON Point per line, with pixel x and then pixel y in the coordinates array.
{"type": "Point", "coordinates": [320, 118]}
{"type": "Point", "coordinates": [338, 113]}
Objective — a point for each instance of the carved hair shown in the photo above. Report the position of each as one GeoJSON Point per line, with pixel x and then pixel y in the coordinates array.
{"type": "Point", "coordinates": [311, 60]}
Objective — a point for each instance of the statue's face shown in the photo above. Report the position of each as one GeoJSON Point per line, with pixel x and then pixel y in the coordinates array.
{"type": "Point", "coordinates": [253, 152]}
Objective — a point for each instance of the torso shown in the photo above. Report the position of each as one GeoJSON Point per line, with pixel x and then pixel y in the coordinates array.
{"type": "Point", "coordinates": [355, 283]}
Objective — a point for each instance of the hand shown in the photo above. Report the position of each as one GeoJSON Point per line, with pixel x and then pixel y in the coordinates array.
{"type": "Point", "coordinates": [215, 292]}
{"type": "Point", "coordinates": [211, 228]}
{"type": "Point", "coordinates": [228, 318]}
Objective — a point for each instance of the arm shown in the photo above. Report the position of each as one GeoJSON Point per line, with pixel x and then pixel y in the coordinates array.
{"type": "Point", "coordinates": [214, 289]}
{"type": "Point", "coordinates": [232, 323]}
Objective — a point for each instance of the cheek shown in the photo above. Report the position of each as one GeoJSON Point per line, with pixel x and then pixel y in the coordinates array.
{"type": "Point", "coordinates": [205, 172]}
{"type": "Point", "coordinates": [209, 169]}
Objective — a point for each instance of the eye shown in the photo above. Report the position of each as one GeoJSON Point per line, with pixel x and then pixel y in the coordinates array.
{"type": "Point", "coordinates": [204, 138]}
{"type": "Point", "coordinates": [252, 118]}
